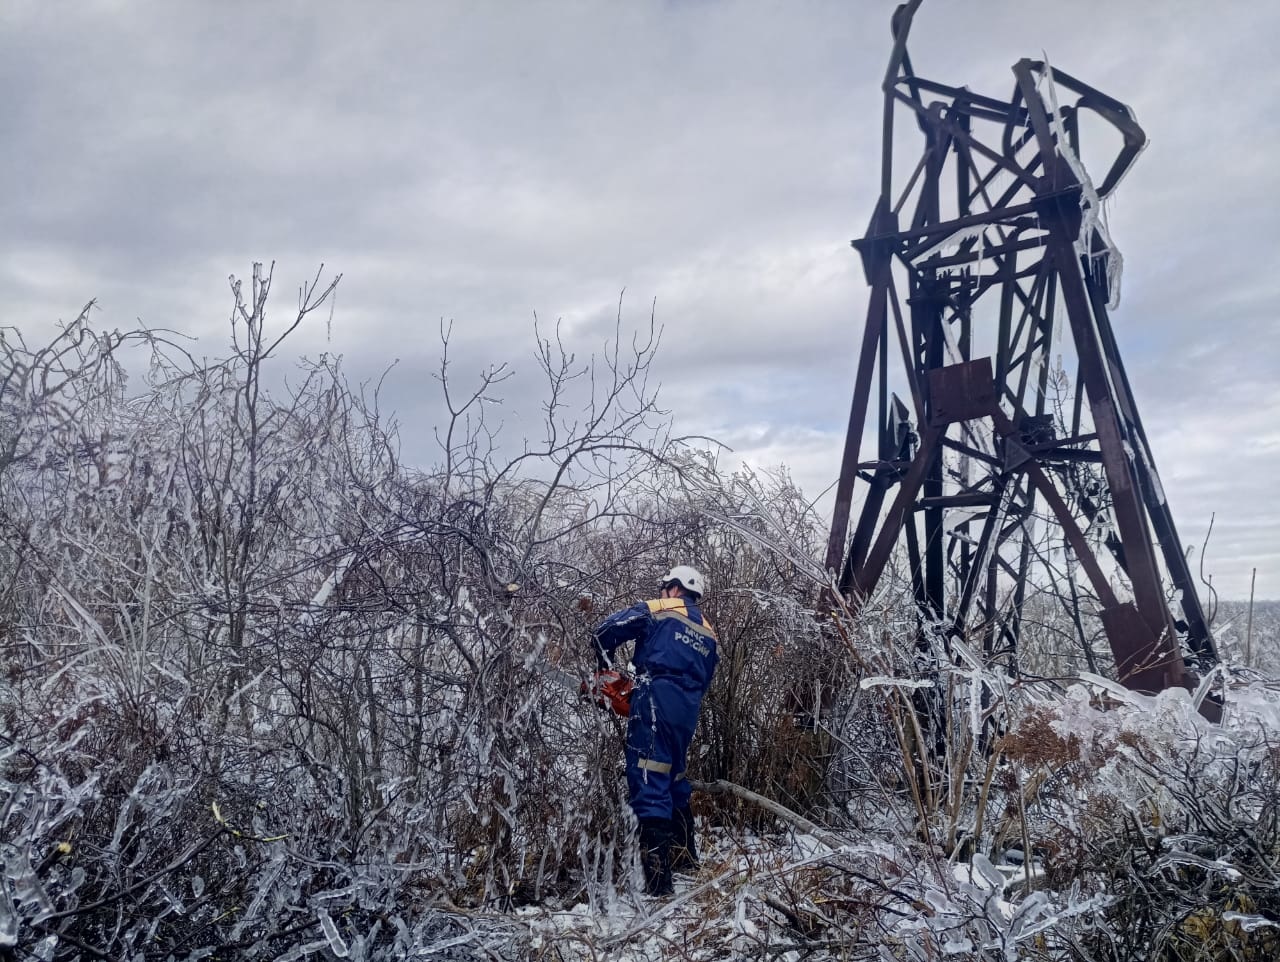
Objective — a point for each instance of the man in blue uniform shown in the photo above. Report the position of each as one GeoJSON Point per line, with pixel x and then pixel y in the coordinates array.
{"type": "Point", "coordinates": [675, 657]}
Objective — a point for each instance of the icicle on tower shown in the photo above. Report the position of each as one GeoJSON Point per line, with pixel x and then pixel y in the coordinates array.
{"type": "Point", "coordinates": [995, 471]}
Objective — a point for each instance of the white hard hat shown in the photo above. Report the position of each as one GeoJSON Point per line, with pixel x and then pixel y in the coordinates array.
{"type": "Point", "coordinates": [690, 579]}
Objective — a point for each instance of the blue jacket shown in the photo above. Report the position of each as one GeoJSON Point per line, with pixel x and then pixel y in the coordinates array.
{"type": "Point", "coordinates": [675, 657]}
{"type": "Point", "coordinates": [674, 643]}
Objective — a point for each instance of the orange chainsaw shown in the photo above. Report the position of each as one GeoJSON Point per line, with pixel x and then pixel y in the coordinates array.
{"type": "Point", "coordinates": [609, 689]}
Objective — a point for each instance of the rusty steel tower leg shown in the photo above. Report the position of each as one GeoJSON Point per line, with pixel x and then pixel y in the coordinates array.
{"type": "Point", "coordinates": [998, 466]}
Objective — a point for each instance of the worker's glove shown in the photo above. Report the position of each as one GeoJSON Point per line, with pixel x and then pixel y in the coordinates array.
{"type": "Point", "coordinates": [609, 689]}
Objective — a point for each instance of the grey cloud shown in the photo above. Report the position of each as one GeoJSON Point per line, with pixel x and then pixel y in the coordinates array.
{"type": "Point", "coordinates": [480, 162]}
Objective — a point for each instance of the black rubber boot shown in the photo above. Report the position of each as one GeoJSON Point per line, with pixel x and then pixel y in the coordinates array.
{"type": "Point", "coordinates": [684, 848]}
{"type": "Point", "coordinates": [655, 855]}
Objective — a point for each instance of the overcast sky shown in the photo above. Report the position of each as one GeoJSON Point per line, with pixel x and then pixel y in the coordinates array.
{"type": "Point", "coordinates": [480, 162]}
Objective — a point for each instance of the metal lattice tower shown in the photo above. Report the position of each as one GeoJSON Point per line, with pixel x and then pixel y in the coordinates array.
{"type": "Point", "coordinates": [984, 242]}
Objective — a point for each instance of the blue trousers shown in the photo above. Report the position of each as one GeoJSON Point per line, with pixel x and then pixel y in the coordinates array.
{"type": "Point", "coordinates": [659, 730]}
